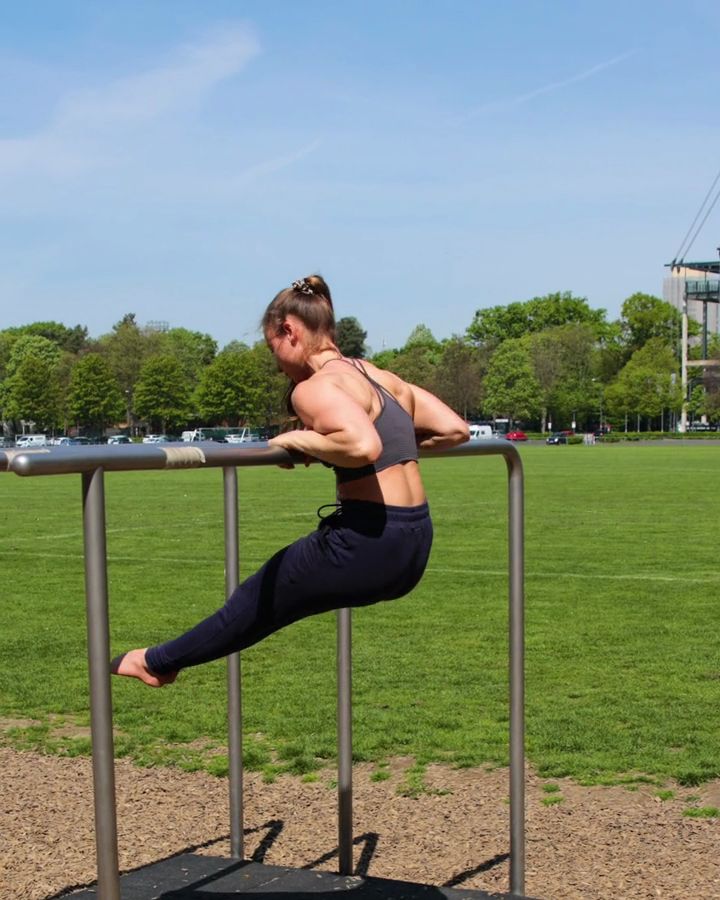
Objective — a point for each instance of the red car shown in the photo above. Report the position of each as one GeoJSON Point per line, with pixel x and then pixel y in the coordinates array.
{"type": "Point", "coordinates": [516, 436]}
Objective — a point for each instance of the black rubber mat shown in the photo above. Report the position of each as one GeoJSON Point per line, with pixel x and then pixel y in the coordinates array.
{"type": "Point", "coordinates": [193, 877]}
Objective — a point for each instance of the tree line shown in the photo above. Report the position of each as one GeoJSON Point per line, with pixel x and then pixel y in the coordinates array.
{"type": "Point", "coordinates": [547, 360]}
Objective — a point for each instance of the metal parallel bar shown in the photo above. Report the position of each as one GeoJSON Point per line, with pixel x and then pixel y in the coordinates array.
{"type": "Point", "coordinates": [235, 765]}
{"type": "Point", "coordinates": [344, 729]}
{"type": "Point", "coordinates": [516, 554]}
{"type": "Point", "coordinates": [98, 632]}
{"type": "Point", "coordinates": [136, 457]}
{"type": "Point", "coordinates": [91, 462]}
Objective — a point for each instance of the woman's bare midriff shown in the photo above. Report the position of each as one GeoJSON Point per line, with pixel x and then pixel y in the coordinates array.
{"type": "Point", "coordinates": [399, 485]}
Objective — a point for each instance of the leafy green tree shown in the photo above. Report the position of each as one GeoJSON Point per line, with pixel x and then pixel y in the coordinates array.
{"type": "Point", "coordinates": [240, 387]}
{"type": "Point", "coordinates": [31, 345]}
{"type": "Point", "coordinates": [547, 362]}
{"type": "Point", "coordinates": [417, 361]}
{"type": "Point", "coordinates": [265, 387]}
{"type": "Point", "coordinates": [126, 349]}
{"type": "Point", "coordinates": [235, 347]}
{"type": "Point", "coordinates": [564, 360]}
{"type": "Point", "coordinates": [5, 426]}
{"type": "Point", "coordinates": [385, 359]}
{"type": "Point", "coordinates": [498, 323]}
{"type": "Point", "coordinates": [644, 316]}
{"type": "Point", "coordinates": [697, 402]}
{"type": "Point", "coordinates": [32, 392]}
{"type": "Point", "coordinates": [192, 349]}
{"type": "Point", "coordinates": [7, 341]}
{"type": "Point", "coordinates": [511, 387]}
{"type": "Point", "coordinates": [162, 396]}
{"type": "Point", "coordinates": [219, 395]}
{"type": "Point", "coordinates": [611, 353]}
{"type": "Point", "coordinates": [648, 384]}
{"type": "Point", "coordinates": [72, 340]}
{"type": "Point", "coordinates": [421, 336]}
{"type": "Point", "coordinates": [350, 337]}
{"type": "Point", "coordinates": [94, 398]}
{"type": "Point", "coordinates": [458, 376]}
{"type": "Point", "coordinates": [711, 383]}
{"type": "Point", "coordinates": [415, 364]}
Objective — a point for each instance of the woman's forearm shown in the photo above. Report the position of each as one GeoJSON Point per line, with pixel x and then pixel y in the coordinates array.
{"type": "Point", "coordinates": [337, 448]}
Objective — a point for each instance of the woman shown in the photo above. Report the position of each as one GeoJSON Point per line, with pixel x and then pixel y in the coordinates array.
{"type": "Point", "coordinates": [365, 423]}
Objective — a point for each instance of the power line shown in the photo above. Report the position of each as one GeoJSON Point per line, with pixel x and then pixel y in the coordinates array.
{"type": "Point", "coordinates": [682, 249]}
{"type": "Point", "coordinates": [699, 228]}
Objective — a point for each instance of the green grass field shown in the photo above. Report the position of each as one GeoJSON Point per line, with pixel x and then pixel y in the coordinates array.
{"type": "Point", "coordinates": [622, 577]}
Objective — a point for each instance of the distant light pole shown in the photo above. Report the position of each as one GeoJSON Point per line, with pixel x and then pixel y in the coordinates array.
{"type": "Point", "coordinates": [595, 381]}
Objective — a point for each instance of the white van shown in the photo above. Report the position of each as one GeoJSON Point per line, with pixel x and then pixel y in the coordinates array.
{"type": "Point", "coordinates": [480, 432]}
{"type": "Point", "coordinates": [31, 440]}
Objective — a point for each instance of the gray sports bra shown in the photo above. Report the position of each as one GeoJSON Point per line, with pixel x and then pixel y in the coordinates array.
{"type": "Point", "coordinates": [396, 430]}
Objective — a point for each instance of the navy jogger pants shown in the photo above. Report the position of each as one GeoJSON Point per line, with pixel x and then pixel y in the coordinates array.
{"type": "Point", "coordinates": [363, 553]}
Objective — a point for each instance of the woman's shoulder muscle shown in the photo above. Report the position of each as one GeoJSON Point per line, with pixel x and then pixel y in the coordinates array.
{"type": "Point", "coordinates": [400, 389]}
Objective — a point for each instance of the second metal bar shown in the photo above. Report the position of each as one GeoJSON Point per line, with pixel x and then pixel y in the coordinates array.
{"type": "Point", "coordinates": [98, 635]}
{"type": "Point", "coordinates": [344, 725]}
{"type": "Point", "coordinates": [516, 552]}
{"type": "Point", "coordinates": [235, 766]}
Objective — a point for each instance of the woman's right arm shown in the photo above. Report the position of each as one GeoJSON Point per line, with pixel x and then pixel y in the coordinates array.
{"type": "Point", "coordinates": [436, 425]}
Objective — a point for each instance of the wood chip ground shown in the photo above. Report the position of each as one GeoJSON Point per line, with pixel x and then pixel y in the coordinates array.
{"type": "Point", "coordinates": [598, 842]}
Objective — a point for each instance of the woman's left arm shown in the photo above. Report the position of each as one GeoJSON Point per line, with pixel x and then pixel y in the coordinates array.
{"type": "Point", "coordinates": [337, 429]}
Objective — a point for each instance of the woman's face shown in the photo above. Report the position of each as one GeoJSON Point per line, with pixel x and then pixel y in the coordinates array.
{"type": "Point", "coordinates": [287, 349]}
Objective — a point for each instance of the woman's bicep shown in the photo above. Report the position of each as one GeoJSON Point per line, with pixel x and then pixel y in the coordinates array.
{"type": "Point", "coordinates": [331, 412]}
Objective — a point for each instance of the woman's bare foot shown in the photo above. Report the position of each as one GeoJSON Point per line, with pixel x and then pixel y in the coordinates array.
{"type": "Point", "coordinates": [133, 665]}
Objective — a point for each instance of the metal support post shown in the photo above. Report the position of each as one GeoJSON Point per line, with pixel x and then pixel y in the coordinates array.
{"type": "Point", "coordinates": [98, 634]}
{"type": "Point", "coordinates": [684, 365]}
{"type": "Point", "coordinates": [344, 719]}
{"type": "Point", "coordinates": [517, 676]}
{"type": "Point", "coordinates": [235, 765]}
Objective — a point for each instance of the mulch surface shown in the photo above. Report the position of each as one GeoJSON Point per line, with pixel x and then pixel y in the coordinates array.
{"type": "Point", "coordinates": [599, 842]}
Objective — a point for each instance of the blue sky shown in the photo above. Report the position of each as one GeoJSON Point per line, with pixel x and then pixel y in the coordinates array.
{"type": "Point", "coordinates": [186, 160]}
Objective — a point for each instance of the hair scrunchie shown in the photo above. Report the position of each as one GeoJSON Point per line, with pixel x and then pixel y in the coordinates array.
{"type": "Point", "coordinates": [303, 286]}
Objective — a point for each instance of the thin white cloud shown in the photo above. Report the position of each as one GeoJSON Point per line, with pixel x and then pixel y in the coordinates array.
{"type": "Point", "coordinates": [138, 98]}
{"type": "Point", "coordinates": [497, 105]}
{"type": "Point", "coordinates": [85, 120]}
{"type": "Point", "coordinates": [269, 166]}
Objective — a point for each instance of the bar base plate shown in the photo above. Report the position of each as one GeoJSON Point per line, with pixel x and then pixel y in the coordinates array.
{"type": "Point", "coordinates": [189, 876]}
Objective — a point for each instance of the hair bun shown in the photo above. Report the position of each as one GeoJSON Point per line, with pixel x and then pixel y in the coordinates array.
{"type": "Point", "coordinates": [303, 286]}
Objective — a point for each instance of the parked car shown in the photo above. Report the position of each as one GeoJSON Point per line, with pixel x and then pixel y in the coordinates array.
{"type": "Point", "coordinates": [119, 439]}
{"type": "Point", "coordinates": [516, 436]}
{"type": "Point", "coordinates": [557, 437]}
{"type": "Point", "coordinates": [242, 437]}
{"type": "Point", "coordinates": [480, 432]}
{"type": "Point", "coordinates": [156, 439]}
{"type": "Point", "coordinates": [27, 441]}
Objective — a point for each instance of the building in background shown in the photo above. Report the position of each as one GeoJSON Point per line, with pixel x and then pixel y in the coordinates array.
{"type": "Point", "coordinates": [674, 293]}
{"type": "Point", "coordinates": [694, 289]}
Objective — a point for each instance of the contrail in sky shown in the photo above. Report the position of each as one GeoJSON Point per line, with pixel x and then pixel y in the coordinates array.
{"type": "Point", "coordinates": [545, 89]}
